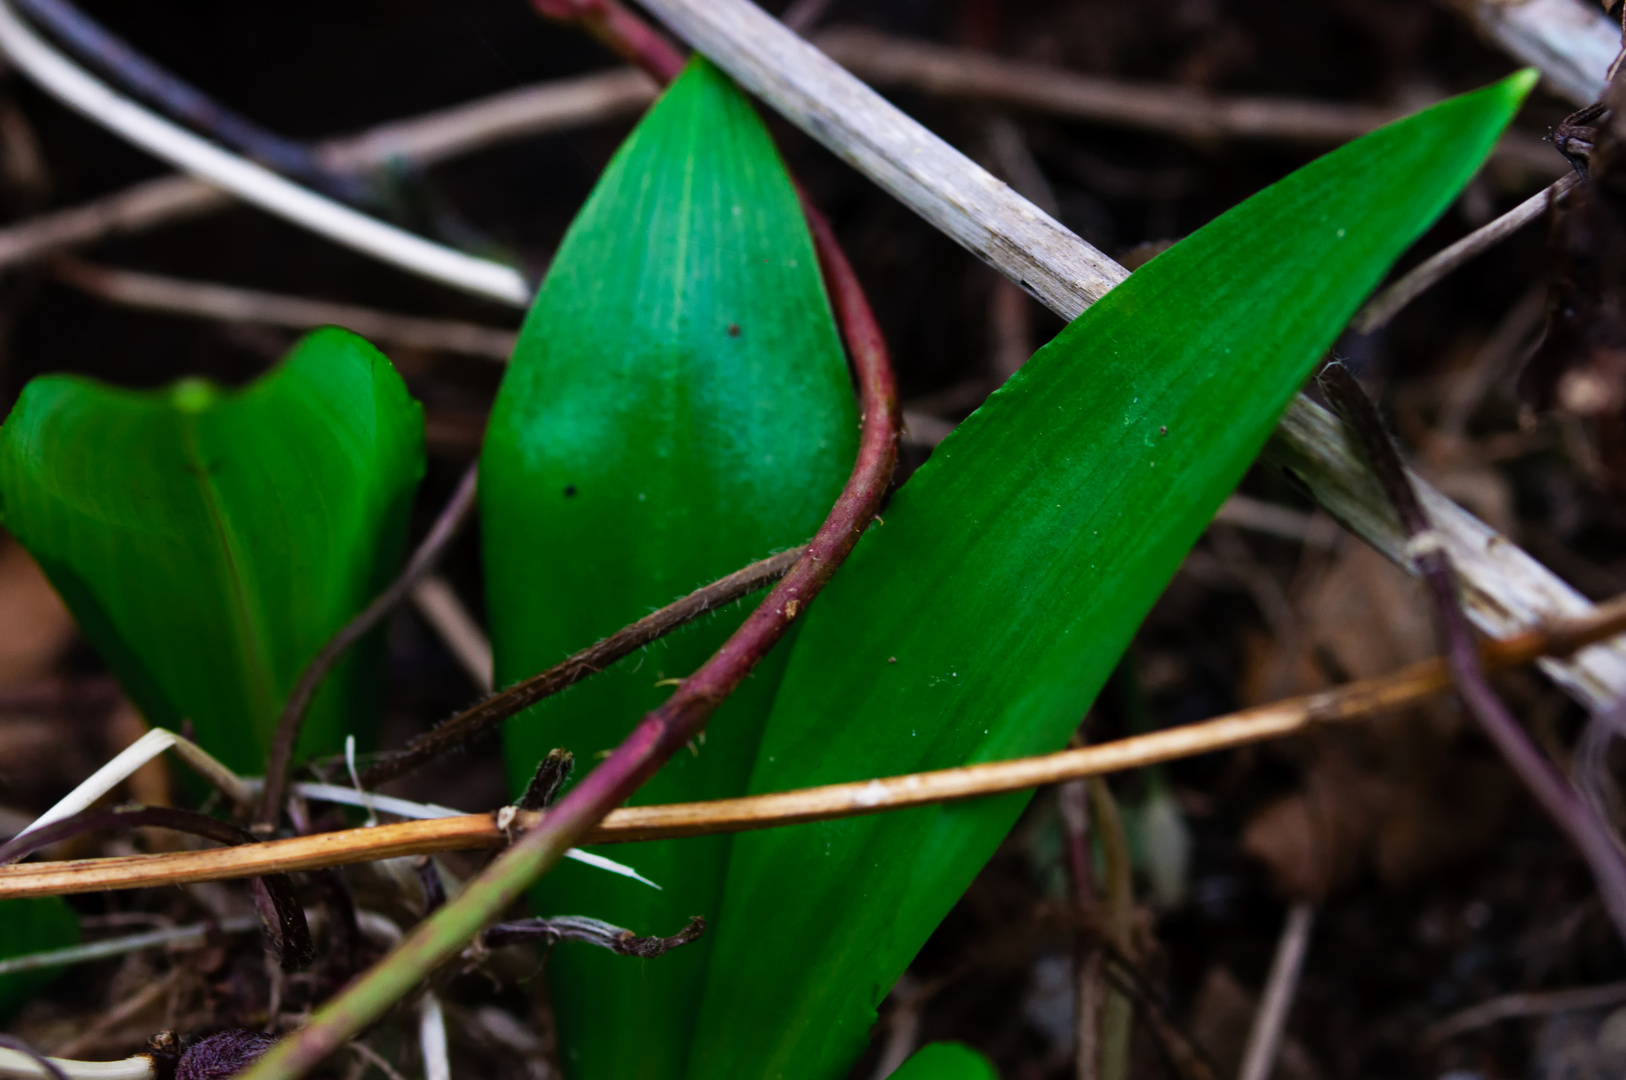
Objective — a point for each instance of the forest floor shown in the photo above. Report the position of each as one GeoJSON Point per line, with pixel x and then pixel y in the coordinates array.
{"type": "Point", "coordinates": [1434, 882]}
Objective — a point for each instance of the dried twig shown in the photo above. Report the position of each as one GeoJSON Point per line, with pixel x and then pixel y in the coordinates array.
{"type": "Point", "coordinates": [286, 737]}
{"type": "Point", "coordinates": [1281, 986]}
{"type": "Point", "coordinates": [170, 937]}
{"type": "Point", "coordinates": [1572, 42]}
{"type": "Point", "coordinates": [437, 1060]}
{"type": "Point", "coordinates": [414, 143]}
{"type": "Point", "coordinates": [19, 1065]}
{"type": "Point", "coordinates": [209, 300]}
{"type": "Point", "coordinates": [274, 894]}
{"type": "Point", "coordinates": [133, 757]}
{"type": "Point", "coordinates": [440, 607]}
{"type": "Point", "coordinates": [1575, 818]}
{"type": "Point", "coordinates": [63, 79]}
{"type": "Point", "coordinates": [486, 715]}
{"type": "Point", "coordinates": [115, 57]}
{"type": "Point", "coordinates": [886, 60]}
{"type": "Point", "coordinates": [1389, 303]}
{"type": "Point", "coordinates": [1512, 1006]}
{"type": "Point", "coordinates": [1118, 911]}
{"type": "Point", "coordinates": [1354, 701]}
{"type": "Point", "coordinates": [1072, 802]}
{"type": "Point", "coordinates": [40, 1061]}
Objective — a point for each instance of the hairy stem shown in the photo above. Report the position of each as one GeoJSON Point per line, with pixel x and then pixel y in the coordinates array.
{"type": "Point", "coordinates": [662, 732]}
{"type": "Point", "coordinates": [485, 715]}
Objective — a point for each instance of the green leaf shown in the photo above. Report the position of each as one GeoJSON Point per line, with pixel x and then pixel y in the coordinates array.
{"type": "Point", "coordinates": [209, 542]}
{"type": "Point", "coordinates": [946, 1061]}
{"type": "Point", "coordinates": [678, 406]}
{"type": "Point", "coordinates": [982, 618]}
{"type": "Point", "coordinates": [30, 926]}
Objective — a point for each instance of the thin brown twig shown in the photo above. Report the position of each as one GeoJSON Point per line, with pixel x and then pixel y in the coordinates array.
{"type": "Point", "coordinates": [1390, 302]}
{"type": "Point", "coordinates": [446, 614]}
{"type": "Point", "coordinates": [886, 60]}
{"type": "Point", "coordinates": [1117, 914]}
{"type": "Point", "coordinates": [417, 142]}
{"type": "Point", "coordinates": [1512, 1006]}
{"type": "Point", "coordinates": [1072, 803]}
{"type": "Point", "coordinates": [210, 300]}
{"type": "Point", "coordinates": [1353, 701]}
{"type": "Point", "coordinates": [289, 721]}
{"type": "Point", "coordinates": [486, 715]}
{"type": "Point", "coordinates": [575, 102]}
{"type": "Point", "coordinates": [1281, 987]}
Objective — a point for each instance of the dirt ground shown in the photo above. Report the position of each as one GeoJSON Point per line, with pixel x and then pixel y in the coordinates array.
{"type": "Point", "coordinates": [1434, 881]}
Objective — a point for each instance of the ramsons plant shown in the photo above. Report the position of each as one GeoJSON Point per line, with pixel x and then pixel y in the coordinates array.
{"type": "Point", "coordinates": [677, 407]}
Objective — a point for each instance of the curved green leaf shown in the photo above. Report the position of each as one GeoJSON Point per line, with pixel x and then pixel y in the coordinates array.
{"type": "Point", "coordinates": [209, 542]}
{"type": "Point", "coordinates": [946, 1061]}
{"type": "Point", "coordinates": [982, 618]}
{"type": "Point", "coordinates": [678, 406]}
{"type": "Point", "coordinates": [29, 926]}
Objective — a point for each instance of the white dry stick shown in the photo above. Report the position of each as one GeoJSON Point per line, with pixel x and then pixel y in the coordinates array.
{"type": "Point", "coordinates": [15, 1065]}
{"type": "Point", "coordinates": [1388, 303]}
{"type": "Point", "coordinates": [1281, 986]}
{"type": "Point", "coordinates": [389, 804]}
{"type": "Point", "coordinates": [208, 300]}
{"type": "Point", "coordinates": [1506, 589]}
{"type": "Point", "coordinates": [437, 602]}
{"type": "Point", "coordinates": [437, 1061]}
{"type": "Point", "coordinates": [73, 86]}
{"type": "Point", "coordinates": [196, 934]}
{"type": "Point", "coordinates": [416, 143]}
{"type": "Point", "coordinates": [1571, 42]}
{"type": "Point", "coordinates": [364, 798]}
{"type": "Point", "coordinates": [131, 758]}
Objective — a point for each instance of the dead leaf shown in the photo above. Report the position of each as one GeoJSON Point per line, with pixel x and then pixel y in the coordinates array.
{"type": "Point", "coordinates": [35, 628]}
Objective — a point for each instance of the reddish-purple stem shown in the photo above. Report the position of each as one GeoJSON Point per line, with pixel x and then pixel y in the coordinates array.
{"type": "Point", "coordinates": [1585, 828]}
{"type": "Point", "coordinates": [663, 732]}
{"type": "Point", "coordinates": [622, 32]}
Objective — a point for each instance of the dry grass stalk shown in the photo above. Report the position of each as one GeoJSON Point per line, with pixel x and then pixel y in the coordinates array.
{"type": "Point", "coordinates": [1353, 701]}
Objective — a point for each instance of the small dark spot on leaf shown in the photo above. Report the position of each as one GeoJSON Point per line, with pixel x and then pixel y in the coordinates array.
{"type": "Point", "coordinates": [1163, 431]}
{"type": "Point", "coordinates": [734, 329]}
{"type": "Point", "coordinates": [570, 491]}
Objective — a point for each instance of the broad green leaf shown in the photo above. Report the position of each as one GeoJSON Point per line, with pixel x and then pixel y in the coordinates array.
{"type": "Point", "coordinates": [983, 617]}
{"type": "Point", "coordinates": [678, 406]}
{"type": "Point", "coordinates": [945, 1061]}
{"type": "Point", "coordinates": [209, 542]}
{"type": "Point", "coordinates": [30, 926]}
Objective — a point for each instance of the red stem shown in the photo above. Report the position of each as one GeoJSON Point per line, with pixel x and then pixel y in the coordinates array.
{"type": "Point", "coordinates": [622, 32]}
{"type": "Point", "coordinates": [664, 731]}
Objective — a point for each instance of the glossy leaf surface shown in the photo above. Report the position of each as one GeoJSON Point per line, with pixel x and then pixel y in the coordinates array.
{"type": "Point", "coordinates": [982, 618]}
{"type": "Point", "coordinates": [30, 926]}
{"type": "Point", "coordinates": [209, 542]}
{"type": "Point", "coordinates": [945, 1061]}
{"type": "Point", "coordinates": [678, 406]}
